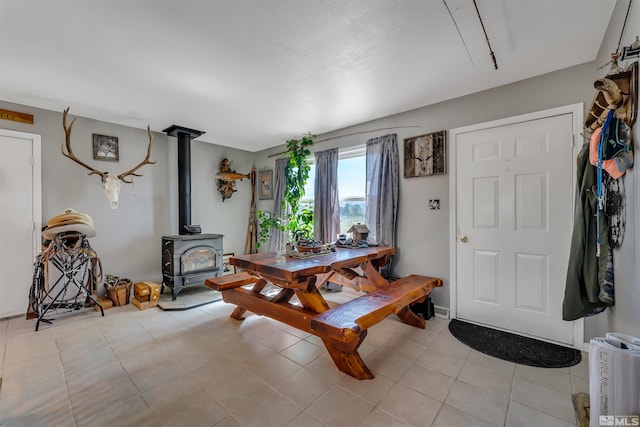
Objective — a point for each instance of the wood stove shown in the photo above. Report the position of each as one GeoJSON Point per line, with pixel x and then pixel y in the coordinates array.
{"type": "Point", "coordinates": [189, 260]}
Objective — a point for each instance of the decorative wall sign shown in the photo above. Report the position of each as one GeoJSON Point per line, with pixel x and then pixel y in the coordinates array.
{"type": "Point", "coordinates": [265, 181]}
{"type": "Point", "coordinates": [105, 148]}
{"type": "Point", "coordinates": [425, 155]}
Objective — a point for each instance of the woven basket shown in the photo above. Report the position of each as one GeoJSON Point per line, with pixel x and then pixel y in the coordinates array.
{"type": "Point", "coordinates": [120, 292]}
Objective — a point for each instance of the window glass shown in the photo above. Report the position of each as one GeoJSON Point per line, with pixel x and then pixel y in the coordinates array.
{"type": "Point", "coordinates": [351, 188]}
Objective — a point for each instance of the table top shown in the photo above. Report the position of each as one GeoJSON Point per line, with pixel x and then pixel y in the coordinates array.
{"type": "Point", "coordinates": [290, 268]}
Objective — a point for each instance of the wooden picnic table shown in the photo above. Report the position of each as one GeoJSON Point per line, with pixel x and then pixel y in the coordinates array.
{"type": "Point", "coordinates": [342, 328]}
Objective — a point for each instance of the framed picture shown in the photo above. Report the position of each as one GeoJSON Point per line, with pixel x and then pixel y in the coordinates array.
{"type": "Point", "coordinates": [425, 155]}
{"type": "Point", "coordinates": [227, 268]}
{"type": "Point", "coordinates": [265, 181]}
{"type": "Point", "coordinates": [105, 148]}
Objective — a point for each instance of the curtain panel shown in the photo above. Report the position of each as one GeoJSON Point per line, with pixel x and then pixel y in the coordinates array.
{"type": "Point", "coordinates": [277, 238]}
{"type": "Point", "coordinates": [382, 191]}
{"type": "Point", "coordinates": [326, 212]}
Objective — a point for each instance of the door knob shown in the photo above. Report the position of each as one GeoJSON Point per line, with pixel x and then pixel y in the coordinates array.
{"type": "Point", "coordinates": [464, 238]}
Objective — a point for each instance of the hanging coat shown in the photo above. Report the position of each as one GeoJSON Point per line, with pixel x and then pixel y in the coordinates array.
{"type": "Point", "coordinates": [587, 281]}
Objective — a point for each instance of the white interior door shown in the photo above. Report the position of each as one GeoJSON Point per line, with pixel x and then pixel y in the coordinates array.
{"type": "Point", "coordinates": [514, 214]}
{"type": "Point", "coordinates": [20, 213]}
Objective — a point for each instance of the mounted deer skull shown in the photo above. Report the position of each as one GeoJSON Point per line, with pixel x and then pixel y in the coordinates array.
{"type": "Point", "coordinates": [110, 182]}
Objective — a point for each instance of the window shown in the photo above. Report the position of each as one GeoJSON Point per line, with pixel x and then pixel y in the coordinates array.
{"type": "Point", "coordinates": [351, 187]}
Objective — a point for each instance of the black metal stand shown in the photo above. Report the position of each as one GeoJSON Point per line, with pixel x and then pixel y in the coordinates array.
{"type": "Point", "coordinates": [67, 287]}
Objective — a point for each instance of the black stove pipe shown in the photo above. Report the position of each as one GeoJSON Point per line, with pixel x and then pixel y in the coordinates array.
{"type": "Point", "coordinates": [184, 136]}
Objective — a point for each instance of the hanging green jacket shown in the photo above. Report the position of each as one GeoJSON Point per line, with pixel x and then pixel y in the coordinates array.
{"type": "Point", "coordinates": [586, 271]}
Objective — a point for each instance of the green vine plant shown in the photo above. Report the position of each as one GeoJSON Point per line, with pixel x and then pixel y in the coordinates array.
{"type": "Point", "coordinates": [298, 220]}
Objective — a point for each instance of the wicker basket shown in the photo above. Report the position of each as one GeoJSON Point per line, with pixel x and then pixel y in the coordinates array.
{"type": "Point", "coordinates": [120, 292]}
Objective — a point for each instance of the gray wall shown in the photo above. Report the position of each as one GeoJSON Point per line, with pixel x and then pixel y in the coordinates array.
{"type": "Point", "coordinates": [128, 239]}
{"type": "Point", "coordinates": [423, 234]}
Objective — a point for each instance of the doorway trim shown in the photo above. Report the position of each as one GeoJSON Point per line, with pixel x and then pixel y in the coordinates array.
{"type": "Point", "coordinates": [37, 183]}
{"type": "Point", "coordinates": [577, 111]}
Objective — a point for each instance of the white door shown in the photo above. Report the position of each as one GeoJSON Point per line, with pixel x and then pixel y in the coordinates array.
{"type": "Point", "coordinates": [20, 213]}
{"type": "Point", "coordinates": [514, 215]}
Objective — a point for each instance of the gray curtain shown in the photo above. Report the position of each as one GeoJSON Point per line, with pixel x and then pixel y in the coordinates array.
{"type": "Point", "coordinates": [277, 238]}
{"type": "Point", "coordinates": [383, 188]}
{"type": "Point", "coordinates": [326, 212]}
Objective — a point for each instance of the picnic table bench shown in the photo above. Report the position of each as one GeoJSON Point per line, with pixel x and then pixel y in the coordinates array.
{"type": "Point", "coordinates": [342, 328]}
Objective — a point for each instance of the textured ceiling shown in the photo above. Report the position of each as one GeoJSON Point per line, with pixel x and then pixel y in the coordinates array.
{"type": "Point", "coordinates": [252, 74]}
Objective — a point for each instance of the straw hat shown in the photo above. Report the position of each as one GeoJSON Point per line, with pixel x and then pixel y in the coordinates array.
{"type": "Point", "coordinates": [69, 220]}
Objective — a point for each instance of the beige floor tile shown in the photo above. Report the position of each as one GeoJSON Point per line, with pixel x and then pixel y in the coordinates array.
{"type": "Point", "coordinates": [485, 405]}
{"type": "Point", "coordinates": [305, 420]}
{"type": "Point", "coordinates": [304, 387]}
{"type": "Point", "coordinates": [431, 383]}
{"type": "Point", "coordinates": [339, 408]}
{"type": "Point", "coordinates": [199, 366]}
{"type": "Point", "coordinates": [410, 406]}
{"type": "Point", "coordinates": [489, 379]}
{"type": "Point", "coordinates": [491, 362]}
{"type": "Point", "coordinates": [582, 368]}
{"type": "Point", "coordinates": [228, 422]}
{"type": "Point", "coordinates": [57, 414]}
{"type": "Point", "coordinates": [280, 340]}
{"type": "Point", "coordinates": [440, 362]}
{"type": "Point", "coordinates": [155, 374]}
{"type": "Point", "coordinates": [19, 398]}
{"type": "Point", "coordinates": [370, 390]}
{"type": "Point", "coordinates": [195, 409]}
{"type": "Point", "coordinates": [451, 417]}
{"type": "Point", "coordinates": [390, 365]}
{"type": "Point", "coordinates": [543, 399]}
{"type": "Point", "coordinates": [523, 416]}
{"type": "Point", "coordinates": [425, 336]}
{"type": "Point", "coordinates": [247, 354]}
{"type": "Point", "coordinates": [132, 411]}
{"type": "Point", "coordinates": [237, 389]}
{"type": "Point", "coordinates": [303, 352]}
{"type": "Point", "coordinates": [555, 379]}
{"type": "Point", "coordinates": [134, 358]}
{"type": "Point", "coordinates": [102, 394]}
{"type": "Point", "coordinates": [579, 384]}
{"type": "Point", "coordinates": [378, 418]}
{"type": "Point", "coordinates": [445, 343]}
{"type": "Point", "coordinates": [267, 409]}
{"type": "Point", "coordinates": [274, 369]}
{"type": "Point", "coordinates": [325, 367]}
{"type": "Point", "coordinates": [83, 380]}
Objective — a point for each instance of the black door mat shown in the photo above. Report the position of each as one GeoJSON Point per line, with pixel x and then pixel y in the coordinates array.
{"type": "Point", "coordinates": [514, 348]}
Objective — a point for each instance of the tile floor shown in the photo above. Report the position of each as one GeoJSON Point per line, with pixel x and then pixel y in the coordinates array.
{"type": "Point", "coordinates": [200, 368]}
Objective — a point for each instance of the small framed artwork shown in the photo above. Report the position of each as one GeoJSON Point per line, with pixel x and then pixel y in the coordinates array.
{"type": "Point", "coordinates": [425, 155]}
{"type": "Point", "coordinates": [105, 148]}
{"type": "Point", "coordinates": [227, 268]}
{"type": "Point", "coordinates": [265, 180]}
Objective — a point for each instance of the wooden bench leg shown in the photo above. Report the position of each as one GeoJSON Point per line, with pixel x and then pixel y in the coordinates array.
{"type": "Point", "coordinates": [410, 318]}
{"type": "Point", "coordinates": [238, 313]}
{"type": "Point", "coordinates": [349, 362]}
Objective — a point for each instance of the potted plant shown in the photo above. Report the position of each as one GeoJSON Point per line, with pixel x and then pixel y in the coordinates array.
{"type": "Point", "coordinates": [298, 220]}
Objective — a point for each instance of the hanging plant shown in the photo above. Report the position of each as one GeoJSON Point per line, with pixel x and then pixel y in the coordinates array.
{"type": "Point", "coordinates": [298, 222]}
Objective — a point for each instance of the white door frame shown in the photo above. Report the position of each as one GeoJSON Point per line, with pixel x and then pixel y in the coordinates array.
{"type": "Point", "coordinates": [577, 111]}
{"type": "Point", "coordinates": [37, 184]}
